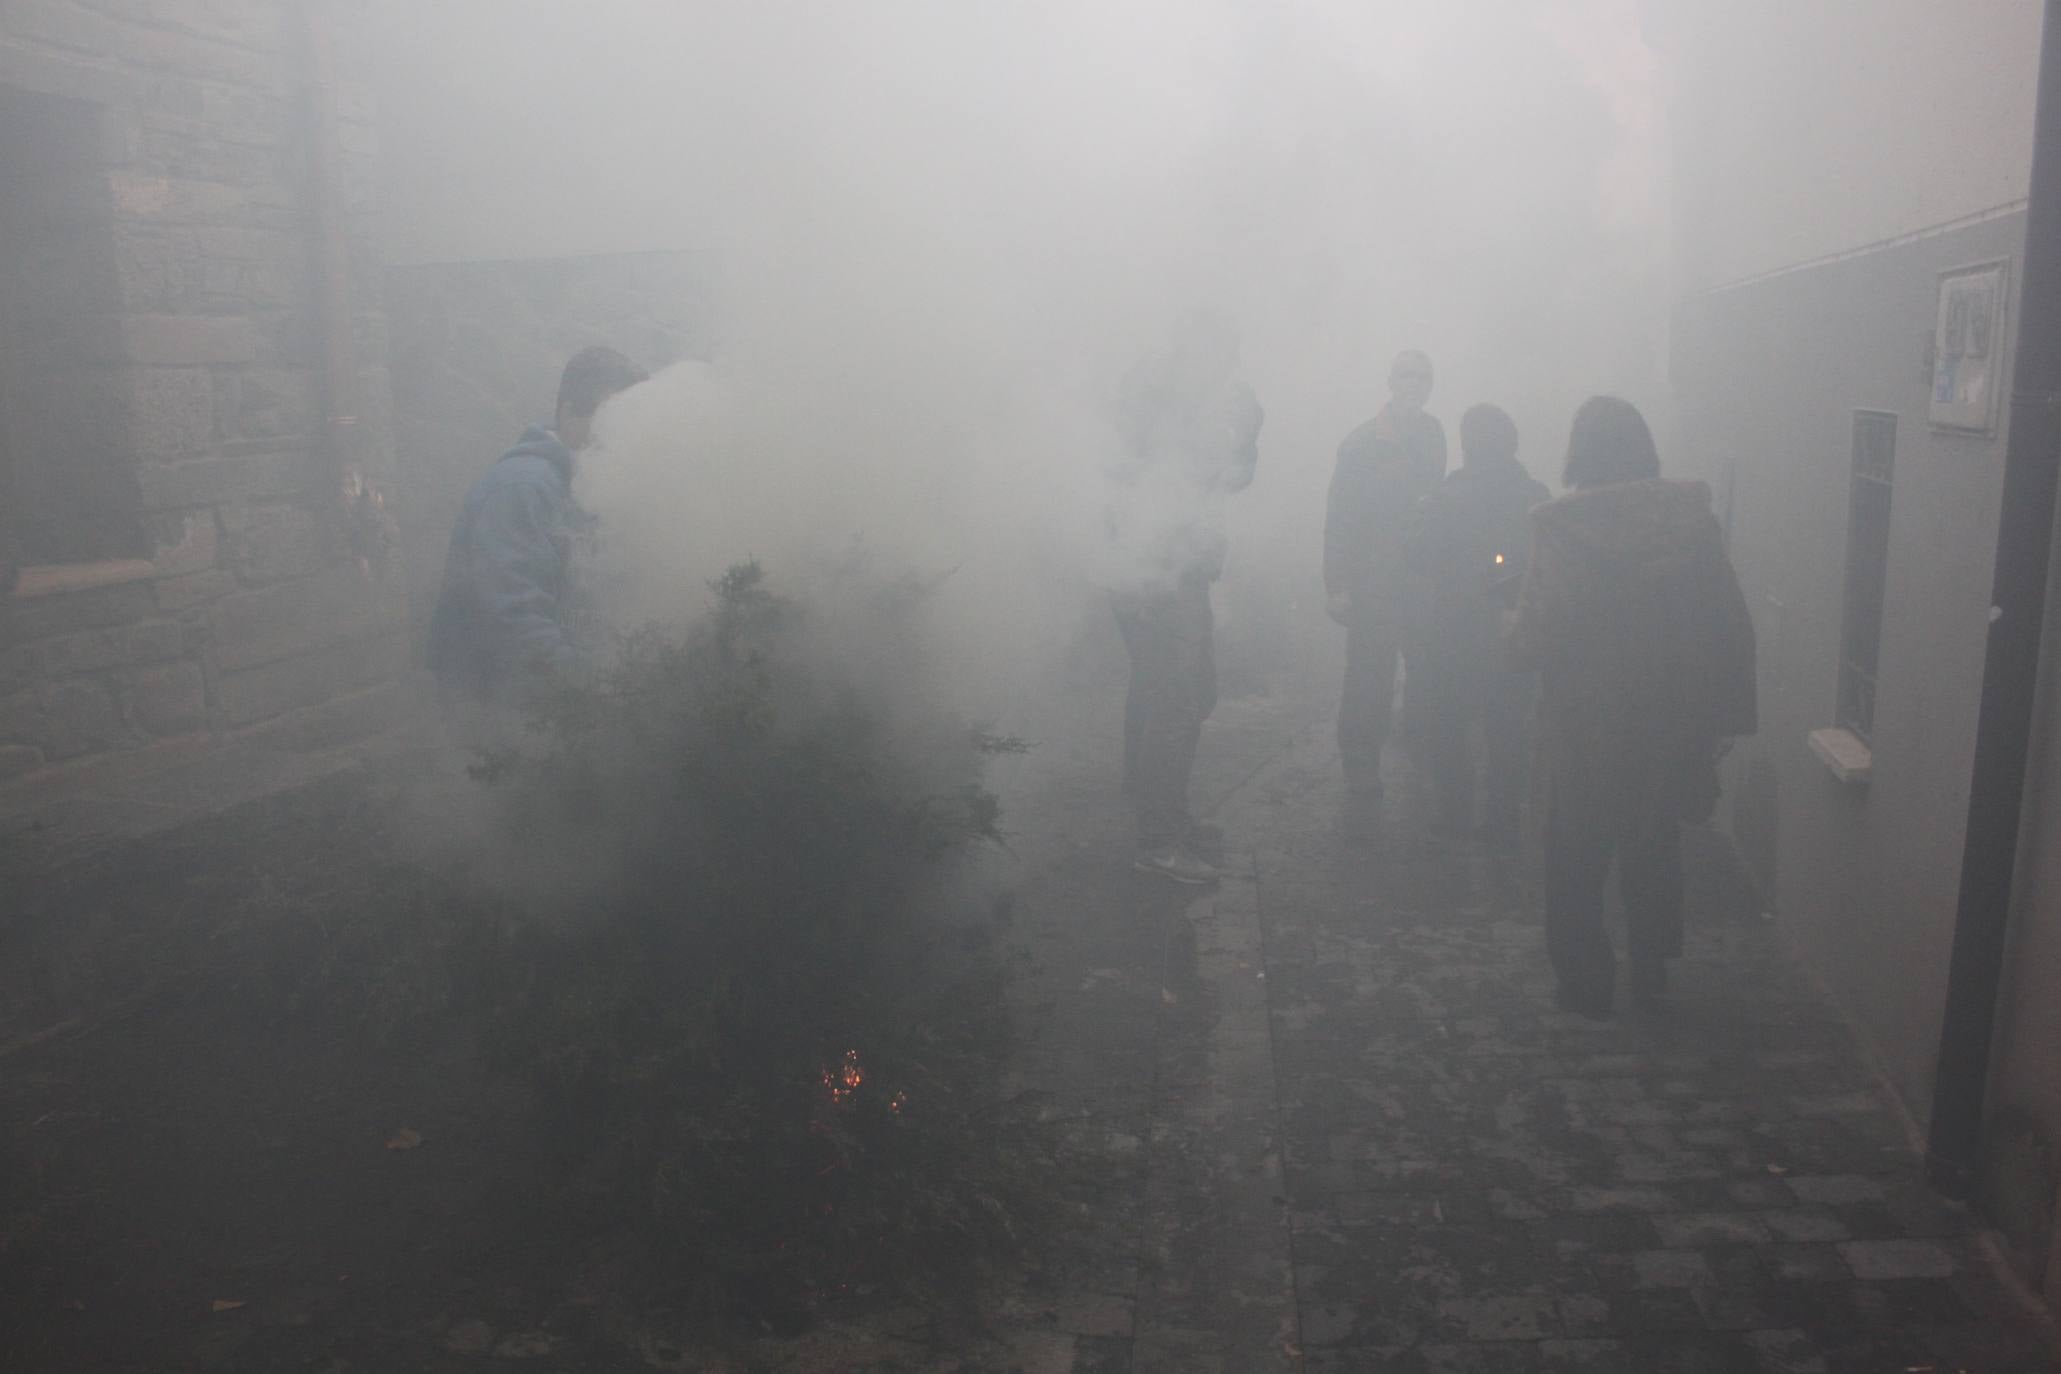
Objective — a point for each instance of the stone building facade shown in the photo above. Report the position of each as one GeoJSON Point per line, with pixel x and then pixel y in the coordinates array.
{"type": "Point", "coordinates": [195, 433]}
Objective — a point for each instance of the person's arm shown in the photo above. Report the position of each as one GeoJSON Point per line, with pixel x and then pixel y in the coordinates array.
{"type": "Point", "coordinates": [1342, 523]}
{"type": "Point", "coordinates": [1534, 629]}
{"type": "Point", "coordinates": [1342, 528]}
{"type": "Point", "coordinates": [1244, 464]}
{"type": "Point", "coordinates": [1429, 534]}
{"type": "Point", "coordinates": [1740, 713]}
{"type": "Point", "coordinates": [518, 571]}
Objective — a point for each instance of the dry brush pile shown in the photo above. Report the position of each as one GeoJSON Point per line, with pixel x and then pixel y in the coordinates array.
{"type": "Point", "coordinates": [763, 1009]}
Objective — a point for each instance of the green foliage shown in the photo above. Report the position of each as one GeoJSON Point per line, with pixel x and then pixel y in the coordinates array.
{"type": "Point", "coordinates": [766, 1032]}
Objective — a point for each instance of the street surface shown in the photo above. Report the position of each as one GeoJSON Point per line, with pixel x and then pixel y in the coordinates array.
{"type": "Point", "coordinates": [1325, 1117]}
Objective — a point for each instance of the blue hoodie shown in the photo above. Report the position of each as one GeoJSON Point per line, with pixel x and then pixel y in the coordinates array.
{"type": "Point", "coordinates": [502, 616]}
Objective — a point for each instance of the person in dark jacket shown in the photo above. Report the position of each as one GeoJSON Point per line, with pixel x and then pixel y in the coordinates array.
{"type": "Point", "coordinates": [1385, 468]}
{"type": "Point", "coordinates": [1632, 614]}
{"type": "Point", "coordinates": [1469, 547]}
{"type": "Point", "coordinates": [1189, 433]}
{"type": "Point", "coordinates": [502, 624]}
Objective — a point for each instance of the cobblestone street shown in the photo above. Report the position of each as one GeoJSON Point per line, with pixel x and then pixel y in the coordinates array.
{"type": "Point", "coordinates": [1325, 1117]}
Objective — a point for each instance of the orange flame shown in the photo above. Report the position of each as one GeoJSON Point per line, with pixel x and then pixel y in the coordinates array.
{"type": "Point", "coordinates": [844, 1080]}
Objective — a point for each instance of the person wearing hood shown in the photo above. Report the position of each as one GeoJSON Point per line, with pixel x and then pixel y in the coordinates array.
{"type": "Point", "coordinates": [1189, 432]}
{"type": "Point", "coordinates": [1469, 548]}
{"type": "Point", "coordinates": [1386, 467]}
{"type": "Point", "coordinates": [1632, 615]}
{"type": "Point", "coordinates": [503, 619]}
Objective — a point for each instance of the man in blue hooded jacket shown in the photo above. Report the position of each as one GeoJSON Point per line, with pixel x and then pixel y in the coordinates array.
{"type": "Point", "coordinates": [501, 625]}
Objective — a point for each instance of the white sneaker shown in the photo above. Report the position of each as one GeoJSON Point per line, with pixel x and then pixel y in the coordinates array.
{"type": "Point", "coordinates": [1175, 863]}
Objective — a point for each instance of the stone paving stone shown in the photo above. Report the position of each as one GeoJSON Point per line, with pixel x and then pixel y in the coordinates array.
{"type": "Point", "coordinates": [1587, 1357]}
{"type": "Point", "coordinates": [1095, 1315]}
{"type": "Point", "coordinates": [1805, 1224]}
{"type": "Point", "coordinates": [1683, 1230]}
{"type": "Point", "coordinates": [1898, 1259]}
{"type": "Point", "coordinates": [1784, 1352]}
{"type": "Point", "coordinates": [1668, 1269]}
{"type": "Point", "coordinates": [1837, 1190]}
{"type": "Point", "coordinates": [1819, 1263]}
{"type": "Point", "coordinates": [1759, 1192]}
{"type": "Point", "coordinates": [1099, 1355]}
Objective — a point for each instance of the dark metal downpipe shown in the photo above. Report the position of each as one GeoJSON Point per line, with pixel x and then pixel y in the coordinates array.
{"type": "Point", "coordinates": [2025, 533]}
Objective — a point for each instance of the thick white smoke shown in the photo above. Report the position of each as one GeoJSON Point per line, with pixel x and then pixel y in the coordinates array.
{"type": "Point", "coordinates": [937, 235]}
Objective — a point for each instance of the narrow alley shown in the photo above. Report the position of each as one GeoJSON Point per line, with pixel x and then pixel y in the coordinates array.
{"type": "Point", "coordinates": [1335, 1123]}
{"type": "Point", "coordinates": [794, 688]}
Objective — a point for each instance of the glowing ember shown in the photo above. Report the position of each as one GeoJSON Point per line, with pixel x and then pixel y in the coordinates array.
{"type": "Point", "coordinates": [897, 1102]}
{"type": "Point", "coordinates": [844, 1080]}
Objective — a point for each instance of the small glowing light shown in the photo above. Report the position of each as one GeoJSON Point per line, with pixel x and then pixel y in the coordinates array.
{"type": "Point", "coordinates": [1499, 560]}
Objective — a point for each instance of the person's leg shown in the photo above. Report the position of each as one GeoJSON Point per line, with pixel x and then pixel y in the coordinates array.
{"type": "Point", "coordinates": [1419, 697]}
{"type": "Point", "coordinates": [1156, 692]}
{"type": "Point", "coordinates": [1651, 876]}
{"type": "Point", "coordinates": [1447, 715]}
{"type": "Point", "coordinates": [1579, 846]}
{"type": "Point", "coordinates": [1176, 679]}
{"type": "Point", "coordinates": [1193, 647]}
{"type": "Point", "coordinates": [1128, 626]}
{"type": "Point", "coordinates": [1352, 742]}
{"type": "Point", "coordinates": [1366, 705]}
{"type": "Point", "coordinates": [1506, 749]}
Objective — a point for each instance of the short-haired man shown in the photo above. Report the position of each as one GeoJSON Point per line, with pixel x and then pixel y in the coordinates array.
{"type": "Point", "coordinates": [502, 621]}
{"type": "Point", "coordinates": [1385, 467]}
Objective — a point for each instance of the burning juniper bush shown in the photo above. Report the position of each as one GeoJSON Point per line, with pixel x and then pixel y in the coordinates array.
{"type": "Point", "coordinates": [768, 1038]}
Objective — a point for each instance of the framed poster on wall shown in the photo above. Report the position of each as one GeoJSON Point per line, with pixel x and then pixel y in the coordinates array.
{"type": "Point", "coordinates": [1968, 347]}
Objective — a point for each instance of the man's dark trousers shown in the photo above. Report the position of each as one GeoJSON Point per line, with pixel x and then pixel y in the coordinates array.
{"type": "Point", "coordinates": [1367, 704]}
{"type": "Point", "coordinates": [1170, 637]}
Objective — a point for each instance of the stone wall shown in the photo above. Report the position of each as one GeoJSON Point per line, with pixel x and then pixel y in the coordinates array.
{"type": "Point", "coordinates": [477, 348]}
{"type": "Point", "coordinates": [167, 481]}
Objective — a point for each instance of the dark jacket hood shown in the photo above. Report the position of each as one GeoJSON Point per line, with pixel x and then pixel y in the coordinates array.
{"type": "Point", "coordinates": [1648, 525]}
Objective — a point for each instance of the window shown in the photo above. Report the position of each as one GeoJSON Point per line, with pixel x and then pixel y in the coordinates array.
{"type": "Point", "coordinates": [67, 466]}
{"type": "Point", "coordinates": [1867, 568]}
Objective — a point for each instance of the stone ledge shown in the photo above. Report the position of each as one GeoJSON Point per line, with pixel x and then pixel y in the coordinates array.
{"type": "Point", "coordinates": [55, 579]}
{"type": "Point", "coordinates": [1843, 752]}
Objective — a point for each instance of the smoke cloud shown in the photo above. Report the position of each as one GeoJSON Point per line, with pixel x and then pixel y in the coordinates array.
{"type": "Point", "coordinates": [936, 236]}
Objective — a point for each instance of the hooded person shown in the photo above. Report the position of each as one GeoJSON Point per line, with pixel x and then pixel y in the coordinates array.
{"type": "Point", "coordinates": [1189, 432]}
{"type": "Point", "coordinates": [504, 620]}
{"type": "Point", "coordinates": [1632, 615]}
{"type": "Point", "coordinates": [1469, 548]}
{"type": "Point", "coordinates": [1386, 467]}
